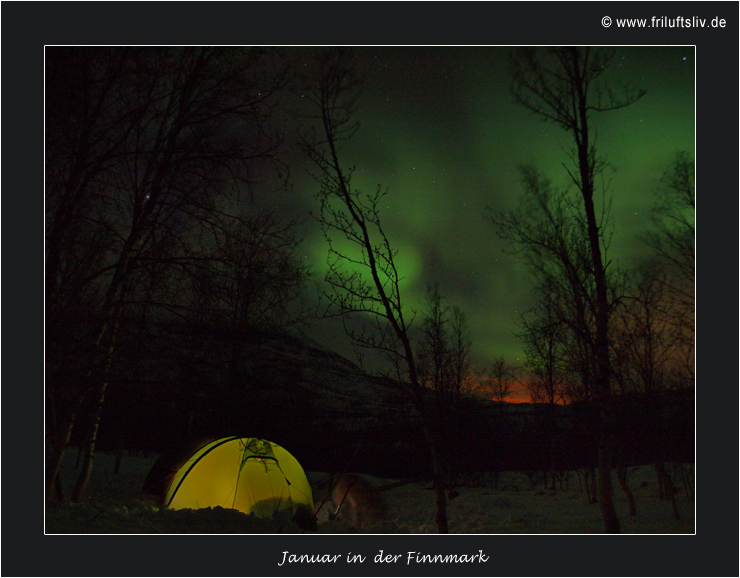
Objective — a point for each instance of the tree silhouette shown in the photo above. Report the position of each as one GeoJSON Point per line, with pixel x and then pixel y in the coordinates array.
{"type": "Point", "coordinates": [561, 85]}
{"type": "Point", "coordinates": [545, 338]}
{"type": "Point", "coordinates": [444, 352]}
{"type": "Point", "coordinates": [673, 242]}
{"type": "Point", "coordinates": [258, 283]}
{"type": "Point", "coordinates": [547, 229]}
{"type": "Point", "coordinates": [673, 216]}
{"type": "Point", "coordinates": [499, 379]}
{"type": "Point", "coordinates": [362, 272]}
{"type": "Point", "coordinates": [651, 351]}
{"type": "Point", "coordinates": [443, 362]}
{"type": "Point", "coordinates": [140, 144]}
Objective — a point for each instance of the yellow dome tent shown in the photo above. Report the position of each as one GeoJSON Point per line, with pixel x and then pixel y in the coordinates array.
{"type": "Point", "coordinates": [247, 474]}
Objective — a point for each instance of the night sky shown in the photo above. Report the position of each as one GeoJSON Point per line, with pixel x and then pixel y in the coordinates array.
{"type": "Point", "coordinates": [466, 135]}
{"type": "Point", "coordinates": [440, 130]}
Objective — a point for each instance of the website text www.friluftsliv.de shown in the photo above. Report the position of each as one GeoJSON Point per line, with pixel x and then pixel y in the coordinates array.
{"type": "Point", "coordinates": [665, 22]}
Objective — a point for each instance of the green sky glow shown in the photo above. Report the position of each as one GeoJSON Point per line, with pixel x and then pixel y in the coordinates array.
{"type": "Point", "coordinates": [440, 130]}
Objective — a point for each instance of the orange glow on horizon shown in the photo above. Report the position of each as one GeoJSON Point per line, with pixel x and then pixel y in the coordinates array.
{"type": "Point", "coordinates": [519, 394]}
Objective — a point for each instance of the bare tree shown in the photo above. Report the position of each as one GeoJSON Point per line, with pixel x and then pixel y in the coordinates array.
{"type": "Point", "coordinates": [444, 367]}
{"type": "Point", "coordinates": [561, 85]}
{"type": "Point", "coordinates": [444, 352]}
{"type": "Point", "coordinates": [463, 378]}
{"type": "Point", "coordinates": [673, 242]}
{"type": "Point", "coordinates": [362, 271]}
{"type": "Point", "coordinates": [433, 353]}
{"type": "Point", "coordinates": [499, 379]}
{"type": "Point", "coordinates": [673, 217]}
{"type": "Point", "coordinates": [651, 347]}
{"type": "Point", "coordinates": [548, 230]}
{"type": "Point", "coordinates": [140, 143]}
{"type": "Point", "coordinates": [544, 334]}
{"type": "Point", "coordinates": [258, 283]}
{"type": "Point", "coordinates": [651, 350]}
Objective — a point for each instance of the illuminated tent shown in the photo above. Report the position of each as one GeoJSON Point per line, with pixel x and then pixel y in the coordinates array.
{"type": "Point", "coordinates": [246, 474]}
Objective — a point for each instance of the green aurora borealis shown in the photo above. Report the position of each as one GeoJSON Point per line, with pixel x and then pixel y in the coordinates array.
{"type": "Point", "coordinates": [440, 130]}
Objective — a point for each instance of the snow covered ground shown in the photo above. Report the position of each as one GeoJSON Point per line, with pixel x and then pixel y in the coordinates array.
{"type": "Point", "coordinates": [114, 505]}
